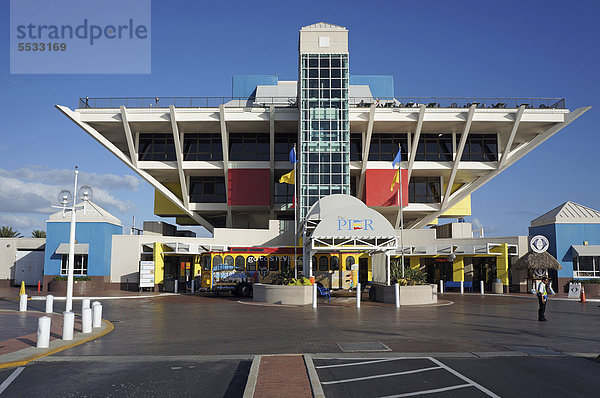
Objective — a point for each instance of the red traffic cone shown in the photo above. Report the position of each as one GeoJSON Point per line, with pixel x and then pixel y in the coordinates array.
{"type": "Point", "coordinates": [582, 294]}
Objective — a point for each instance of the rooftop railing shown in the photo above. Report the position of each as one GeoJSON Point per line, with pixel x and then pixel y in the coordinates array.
{"type": "Point", "coordinates": [291, 102]}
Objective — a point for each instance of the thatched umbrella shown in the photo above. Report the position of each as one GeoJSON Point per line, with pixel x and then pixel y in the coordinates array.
{"type": "Point", "coordinates": [537, 261]}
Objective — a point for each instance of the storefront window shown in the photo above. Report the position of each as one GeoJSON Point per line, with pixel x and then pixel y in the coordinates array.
{"type": "Point", "coordinates": [349, 263]}
{"type": "Point", "coordinates": [79, 267]}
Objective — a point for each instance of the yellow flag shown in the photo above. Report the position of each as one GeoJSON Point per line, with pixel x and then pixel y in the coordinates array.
{"type": "Point", "coordinates": [396, 179]}
{"type": "Point", "coordinates": [288, 178]}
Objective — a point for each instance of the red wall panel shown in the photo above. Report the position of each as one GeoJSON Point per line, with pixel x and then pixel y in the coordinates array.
{"type": "Point", "coordinates": [377, 187]}
{"type": "Point", "coordinates": [249, 187]}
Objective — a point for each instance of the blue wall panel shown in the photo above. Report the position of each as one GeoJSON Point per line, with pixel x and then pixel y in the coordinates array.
{"type": "Point", "coordinates": [97, 235]}
{"type": "Point", "coordinates": [382, 86]}
{"type": "Point", "coordinates": [245, 85]}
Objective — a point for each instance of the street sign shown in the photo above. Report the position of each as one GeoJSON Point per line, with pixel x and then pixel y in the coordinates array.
{"type": "Point", "coordinates": [539, 243]}
{"type": "Point", "coordinates": [146, 274]}
{"type": "Point", "coordinates": [574, 290]}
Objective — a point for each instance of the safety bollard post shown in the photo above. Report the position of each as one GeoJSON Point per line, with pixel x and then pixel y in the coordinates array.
{"type": "Point", "coordinates": [43, 332]}
{"type": "Point", "coordinates": [86, 320]}
{"type": "Point", "coordinates": [481, 287]}
{"type": "Point", "coordinates": [397, 294]}
{"type": "Point", "coordinates": [441, 286]}
{"type": "Point", "coordinates": [462, 287]}
{"type": "Point", "coordinates": [314, 286]}
{"type": "Point", "coordinates": [176, 286]}
{"type": "Point", "coordinates": [358, 295]}
{"type": "Point", "coordinates": [192, 286]}
{"type": "Point", "coordinates": [23, 302]}
{"type": "Point", "coordinates": [68, 325]}
{"type": "Point", "coordinates": [97, 315]}
{"type": "Point", "coordinates": [85, 303]}
{"type": "Point", "coordinates": [49, 304]}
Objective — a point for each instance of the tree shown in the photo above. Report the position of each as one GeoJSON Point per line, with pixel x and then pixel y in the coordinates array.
{"type": "Point", "coordinates": [38, 233]}
{"type": "Point", "coordinates": [7, 232]}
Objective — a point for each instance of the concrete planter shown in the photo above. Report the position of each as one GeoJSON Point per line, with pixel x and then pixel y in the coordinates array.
{"type": "Point", "coordinates": [80, 288]}
{"type": "Point", "coordinates": [282, 294]}
{"type": "Point", "coordinates": [409, 295]}
{"type": "Point", "coordinates": [591, 289]}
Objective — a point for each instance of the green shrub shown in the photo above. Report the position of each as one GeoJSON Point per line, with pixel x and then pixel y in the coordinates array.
{"type": "Point", "coordinates": [595, 281]}
{"type": "Point", "coordinates": [412, 276]}
{"type": "Point", "coordinates": [75, 278]}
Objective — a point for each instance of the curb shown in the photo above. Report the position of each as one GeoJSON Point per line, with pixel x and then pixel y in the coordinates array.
{"type": "Point", "coordinates": [315, 383]}
{"type": "Point", "coordinates": [79, 298]}
{"type": "Point", "coordinates": [108, 327]}
{"type": "Point", "coordinates": [252, 377]}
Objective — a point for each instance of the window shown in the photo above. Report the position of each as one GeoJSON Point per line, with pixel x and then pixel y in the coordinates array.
{"type": "Point", "coordinates": [299, 264]}
{"type": "Point", "coordinates": [284, 142]}
{"type": "Point", "coordinates": [273, 263]}
{"type": "Point", "coordinates": [424, 190]}
{"type": "Point", "coordinates": [586, 267]}
{"type": "Point", "coordinates": [206, 263]}
{"type": "Point", "coordinates": [480, 148]}
{"type": "Point", "coordinates": [202, 147]}
{"type": "Point", "coordinates": [207, 190]}
{"type": "Point", "coordinates": [79, 266]}
{"type": "Point", "coordinates": [250, 263]}
{"type": "Point", "coordinates": [384, 146]}
{"type": "Point", "coordinates": [434, 148]}
{"type": "Point", "coordinates": [240, 263]}
{"type": "Point", "coordinates": [323, 263]}
{"type": "Point", "coordinates": [248, 146]}
{"type": "Point", "coordinates": [314, 263]}
{"type": "Point", "coordinates": [159, 147]}
{"type": "Point", "coordinates": [284, 193]}
{"type": "Point", "coordinates": [263, 263]}
{"type": "Point", "coordinates": [335, 263]}
{"type": "Point", "coordinates": [285, 263]}
{"type": "Point", "coordinates": [228, 262]}
{"type": "Point", "coordinates": [349, 263]}
{"type": "Point", "coordinates": [355, 146]}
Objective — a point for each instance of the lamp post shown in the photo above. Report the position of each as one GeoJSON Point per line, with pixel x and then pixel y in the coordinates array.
{"type": "Point", "coordinates": [65, 198]}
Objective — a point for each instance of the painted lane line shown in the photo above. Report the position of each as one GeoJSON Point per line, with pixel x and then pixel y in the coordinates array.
{"type": "Point", "coordinates": [175, 367]}
{"type": "Point", "coordinates": [465, 378]}
{"type": "Point", "coordinates": [358, 363]}
{"type": "Point", "coordinates": [412, 394]}
{"type": "Point", "coordinates": [383, 375]}
{"type": "Point", "coordinates": [10, 379]}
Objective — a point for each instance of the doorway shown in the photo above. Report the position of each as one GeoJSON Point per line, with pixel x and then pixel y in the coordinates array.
{"type": "Point", "coordinates": [363, 270]}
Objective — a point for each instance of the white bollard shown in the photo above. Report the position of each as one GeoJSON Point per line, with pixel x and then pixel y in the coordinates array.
{"type": "Point", "coordinates": [315, 295]}
{"type": "Point", "coordinates": [481, 287]}
{"type": "Point", "coordinates": [43, 333]}
{"type": "Point", "coordinates": [397, 294]}
{"type": "Point", "coordinates": [49, 304]}
{"type": "Point", "coordinates": [192, 285]}
{"type": "Point", "coordinates": [23, 302]}
{"type": "Point", "coordinates": [86, 320]}
{"type": "Point", "coordinates": [358, 295]}
{"type": "Point", "coordinates": [441, 286]}
{"type": "Point", "coordinates": [85, 303]}
{"type": "Point", "coordinates": [462, 287]}
{"type": "Point", "coordinates": [176, 283]}
{"type": "Point", "coordinates": [68, 325]}
{"type": "Point", "coordinates": [97, 314]}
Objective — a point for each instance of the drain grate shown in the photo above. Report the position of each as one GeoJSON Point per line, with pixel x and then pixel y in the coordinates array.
{"type": "Point", "coordinates": [535, 350]}
{"type": "Point", "coordinates": [368, 346]}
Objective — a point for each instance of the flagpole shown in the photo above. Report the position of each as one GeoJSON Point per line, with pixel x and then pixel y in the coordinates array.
{"type": "Point", "coordinates": [401, 217]}
{"type": "Point", "coordinates": [295, 218]}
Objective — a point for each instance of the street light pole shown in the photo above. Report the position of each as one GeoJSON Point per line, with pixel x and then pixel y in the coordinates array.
{"type": "Point", "coordinates": [71, 263]}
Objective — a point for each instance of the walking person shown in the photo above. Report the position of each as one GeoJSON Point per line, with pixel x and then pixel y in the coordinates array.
{"type": "Point", "coordinates": [542, 294]}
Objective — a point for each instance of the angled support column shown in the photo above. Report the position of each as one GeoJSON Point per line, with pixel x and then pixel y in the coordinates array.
{"type": "Point", "coordinates": [179, 155]}
{"type": "Point", "coordinates": [511, 137]}
{"type": "Point", "coordinates": [459, 152]}
{"type": "Point", "coordinates": [225, 146]}
{"type": "Point", "coordinates": [129, 137]}
{"type": "Point", "coordinates": [272, 157]}
{"type": "Point", "coordinates": [512, 157]}
{"type": "Point", "coordinates": [365, 155]}
{"type": "Point", "coordinates": [415, 141]}
{"type": "Point", "coordinates": [125, 159]}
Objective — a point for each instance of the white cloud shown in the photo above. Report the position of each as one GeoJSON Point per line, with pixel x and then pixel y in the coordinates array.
{"type": "Point", "coordinates": [29, 191]}
{"type": "Point", "coordinates": [23, 224]}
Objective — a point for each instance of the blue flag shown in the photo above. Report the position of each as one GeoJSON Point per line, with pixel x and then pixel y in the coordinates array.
{"type": "Point", "coordinates": [293, 156]}
{"type": "Point", "coordinates": [397, 159]}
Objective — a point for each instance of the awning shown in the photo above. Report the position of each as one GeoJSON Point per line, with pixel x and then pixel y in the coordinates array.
{"type": "Point", "coordinates": [80, 248]}
{"type": "Point", "coordinates": [586, 250]}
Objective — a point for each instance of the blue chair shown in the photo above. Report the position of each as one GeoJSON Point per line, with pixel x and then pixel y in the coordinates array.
{"type": "Point", "coordinates": [323, 291]}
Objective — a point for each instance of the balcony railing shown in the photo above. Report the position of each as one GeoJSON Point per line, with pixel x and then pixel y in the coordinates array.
{"type": "Point", "coordinates": [291, 102]}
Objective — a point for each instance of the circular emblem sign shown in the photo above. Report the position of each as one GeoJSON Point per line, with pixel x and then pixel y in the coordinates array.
{"type": "Point", "coordinates": [539, 244]}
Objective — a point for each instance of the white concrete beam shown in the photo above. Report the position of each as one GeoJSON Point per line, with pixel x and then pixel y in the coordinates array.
{"type": "Point", "coordinates": [179, 155]}
{"type": "Point", "coordinates": [366, 148]}
{"type": "Point", "coordinates": [125, 159]}
{"type": "Point", "coordinates": [272, 157]}
{"type": "Point", "coordinates": [459, 152]}
{"type": "Point", "coordinates": [225, 146]}
{"type": "Point", "coordinates": [513, 156]}
{"type": "Point", "coordinates": [512, 135]}
{"type": "Point", "coordinates": [415, 141]}
{"type": "Point", "coordinates": [133, 156]}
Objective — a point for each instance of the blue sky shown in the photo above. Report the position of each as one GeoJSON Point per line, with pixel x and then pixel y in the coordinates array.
{"type": "Point", "coordinates": [432, 48]}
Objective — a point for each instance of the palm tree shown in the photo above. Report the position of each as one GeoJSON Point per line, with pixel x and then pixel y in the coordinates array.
{"type": "Point", "coordinates": [7, 232]}
{"type": "Point", "coordinates": [38, 233]}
